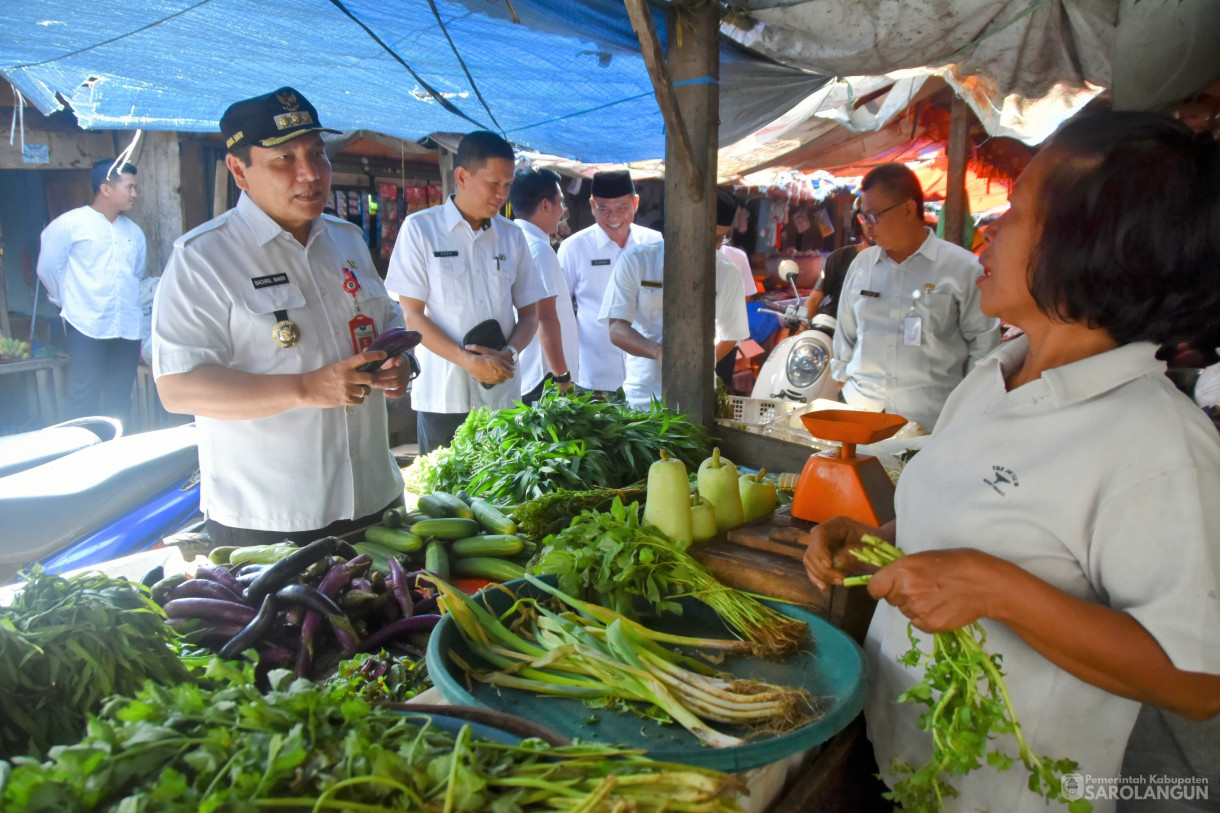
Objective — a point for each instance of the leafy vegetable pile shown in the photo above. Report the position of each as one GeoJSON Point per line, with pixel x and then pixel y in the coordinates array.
{"type": "Point", "coordinates": [572, 441]}
{"type": "Point", "coordinates": [551, 513]}
{"type": "Point", "coordinates": [968, 703]}
{"type": "Point", "coordinates": [223, 745]}
{"type": "Point", "coordinates": [65, 644]}
{"type": "Point", "coordinates": [611, 559]}
{"type": "Point", "coordinates": [588, 652]}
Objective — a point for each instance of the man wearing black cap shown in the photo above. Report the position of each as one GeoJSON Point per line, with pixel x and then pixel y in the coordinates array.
{"type": "Point", "coordinates": [588, 258]}
{"type": "Point", "coordinates": [91, 262]}
{"type": "Point", "coordinates": [259, 325]}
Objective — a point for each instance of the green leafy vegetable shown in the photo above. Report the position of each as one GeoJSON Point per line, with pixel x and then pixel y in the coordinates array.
{"type": "Point", "coordinates": [65, 644]}
{"type": "Point", "coordinates": [611, 559]}
{"type": "Point", "coordinates": [223, 745]}
{"type": "Point", "coordinates": [968, 704]}
{"type": "Point", "coordinates": [551, 513]}
{"type": "Point", "coordinates": [573, 441]}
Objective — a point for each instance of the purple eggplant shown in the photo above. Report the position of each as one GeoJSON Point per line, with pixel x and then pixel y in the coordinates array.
{"type": "Point", "coordinates": [219, 574]}
{"type": "Point", "coordinates": [344, 634]}
{"type": "Point", "coordinates": [361, 583]}
{"type": "Point", "coordinates": [394, 342]}
{"type": "Point", "coordinates": [416, 623]}
{"type": "Point", "coordinates": [288, 568]}
{"type": "Point", "coordinates": [254, 632]}
{"type": "Point", "coordinates": [204, 588]}
{"type": "Point", "coordinates": [312, 599]}
{"type": "Point", "coordinates": [399, 588]}
{"type": "Point", "coordinates": [210, 609]}
{"type": "Point", "coordinates": [426, 606]}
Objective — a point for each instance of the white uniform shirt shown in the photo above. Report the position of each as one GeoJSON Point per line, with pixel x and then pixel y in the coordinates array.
{"type": "Point", "coordinates": [464, 278]}
{"type": "Point", "coordinates": [635, 295]}
{"type": "Point", "coordinates": [1100, 479]}
{"type": "Point", "coordinates": [533, 362]}
{"type": "Point", "coordinates": [92, 269]}
{"type": "Point", "coordinates": [936, 286]}
{"type": "Point", "coordinates": [740, 259]}
{"type": "Point", "coordinates": [216, 305]}
{"type": "Point", "coordinates": [588, 259]}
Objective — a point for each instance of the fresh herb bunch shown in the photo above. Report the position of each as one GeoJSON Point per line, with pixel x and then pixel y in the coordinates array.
{"type": "Point", "coordinates": [968, 703]}
{"type": "Point", "coordinates": [568, 441]}
{"type": "Point", "coordinates": [223, 745]}
{"type": "Point", "coordinates": [65, 644]}
{"type": "Point", "coordinates": [611, 559]}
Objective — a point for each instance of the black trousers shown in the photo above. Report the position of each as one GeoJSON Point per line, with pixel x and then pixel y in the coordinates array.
{"type": "Point", "coordinates": [224, 535]}
{"type": "Point", "coordinates": [436, 429]}
{"type": "Point", "coordinates": [101, 373]}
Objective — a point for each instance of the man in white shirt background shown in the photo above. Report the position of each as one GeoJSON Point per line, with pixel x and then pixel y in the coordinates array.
{"type": "Point", "coordinates": [633, 314]}
{"type": "Point", "coordinates": [588, 259]}
{"type": "Point", "coordinates": [537, 204]}
{"type": "Point", "coordinates": [91, 262]}
{"type": "Point", "coordinates": [909, 325]}
{"type": "Point", "coordinates": [458, 267]}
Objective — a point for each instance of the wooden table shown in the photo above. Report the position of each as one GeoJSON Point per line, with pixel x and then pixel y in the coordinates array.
{"type": "Point", "coordinates": [45, 388]}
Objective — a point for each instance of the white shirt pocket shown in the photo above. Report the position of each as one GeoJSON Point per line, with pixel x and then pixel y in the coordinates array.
{"type": "Point", "coordinates": [452, 278]}
{"type": "Point", "coordinates": [938, 308]}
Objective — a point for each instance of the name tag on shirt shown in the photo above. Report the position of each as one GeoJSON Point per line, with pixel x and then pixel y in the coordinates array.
{"type": "Point", "coordinates": [601, 262]}
{"type": "Point", "coordinates": [269, 280]}
{"type": "Point", "coordinates": [650, 284]}
{"type": "Point", "coordinates": [873, 294]}
{"type": "Point", "coordinates": [444, 254]}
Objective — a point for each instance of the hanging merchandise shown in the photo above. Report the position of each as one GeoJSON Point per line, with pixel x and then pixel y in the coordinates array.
{"type": "Point", "coordinates": [801, 221]}
{"type": "Point", "coordinates": [825, 226]}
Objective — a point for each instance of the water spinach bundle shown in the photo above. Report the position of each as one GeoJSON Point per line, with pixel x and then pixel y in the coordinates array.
{"type": "Point", "coordinates": [574, 441]}
{"type": "Point", "coordinates": [223, 745]}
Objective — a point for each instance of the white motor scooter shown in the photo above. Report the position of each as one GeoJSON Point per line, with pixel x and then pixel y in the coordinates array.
{"type": "Point", "coordinates": [798, 368]}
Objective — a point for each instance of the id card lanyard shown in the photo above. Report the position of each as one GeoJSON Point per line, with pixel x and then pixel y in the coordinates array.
{"type": "Point", "coordinates": [361, 327]}
{"type": "Point", "coordinates": [912, 325]}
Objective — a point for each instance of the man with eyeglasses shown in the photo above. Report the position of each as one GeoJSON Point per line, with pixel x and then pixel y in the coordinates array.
{"type": "Point", "coordinates": [909, 324]}
{"type": "Point", "coordinates": [588, 259]}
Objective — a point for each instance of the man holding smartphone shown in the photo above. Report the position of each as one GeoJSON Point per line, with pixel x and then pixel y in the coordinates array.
{"type": "Point", "coordinates": [260, 325]}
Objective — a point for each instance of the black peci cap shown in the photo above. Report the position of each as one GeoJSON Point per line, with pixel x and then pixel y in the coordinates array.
{"type": "Point", "coordinates": [270, 119]}
{"type": "Point", "coordinates": [616, 184]}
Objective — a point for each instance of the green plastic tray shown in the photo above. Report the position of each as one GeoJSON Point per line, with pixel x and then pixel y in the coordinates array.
{"type": "Point", "coordinates": [831, 668]}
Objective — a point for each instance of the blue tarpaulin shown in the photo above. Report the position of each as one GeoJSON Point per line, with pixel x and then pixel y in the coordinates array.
{"type": "Point", "coordinates": [568, 79]}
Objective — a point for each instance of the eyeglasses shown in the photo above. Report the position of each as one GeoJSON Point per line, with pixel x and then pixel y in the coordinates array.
{"type": "Point", "coordinates": [871, 218]}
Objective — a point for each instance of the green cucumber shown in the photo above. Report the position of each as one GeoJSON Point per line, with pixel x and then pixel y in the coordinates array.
{"type": "Point", "coordinates": [394, 517]}
{"type": "Point", "coordinates": [220, 556]}
{"type": "Point", "coordinates": [440, 505]}
{"type": "Point", "coordinates": [262, 554]}
{"type": "Point", "coordinates": [464, 496]}
{"type": "Point", "coordinates": [492, 518]}
{"type": "Point", "coordinates": [436, 559]}
{"type": "Point", "coordinates": [450, 528]}
{"type": "Point", "coordinates": [487, 545]}
{"type": "Point", "coordinates": [395, 539]}
{"type": "Point", "coordinates": [486, 567]}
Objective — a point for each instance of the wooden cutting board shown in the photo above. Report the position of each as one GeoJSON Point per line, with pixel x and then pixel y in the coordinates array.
{"type": "Point", "coordinates": [779, 533]}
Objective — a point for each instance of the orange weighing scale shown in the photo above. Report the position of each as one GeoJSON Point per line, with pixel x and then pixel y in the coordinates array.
{"type": "Point", "coordinates": [839, 482]}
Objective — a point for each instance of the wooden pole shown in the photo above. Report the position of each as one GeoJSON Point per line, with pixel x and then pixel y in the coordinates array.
{"type": "Point", "coordinates": [688, 368]}
{"type": "Point", "coordinates": [954, 211]}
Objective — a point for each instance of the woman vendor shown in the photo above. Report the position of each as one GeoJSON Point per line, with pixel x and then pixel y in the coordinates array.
{"type": "Point", "coordinates": [1069, 499]}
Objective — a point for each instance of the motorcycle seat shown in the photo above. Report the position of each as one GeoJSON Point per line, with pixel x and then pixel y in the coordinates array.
{"type": "Point", "coordinates": [45, 508]}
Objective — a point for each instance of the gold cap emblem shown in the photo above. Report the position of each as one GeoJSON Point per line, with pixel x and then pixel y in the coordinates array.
{"type": "Point", "coordinates": [286, 333]}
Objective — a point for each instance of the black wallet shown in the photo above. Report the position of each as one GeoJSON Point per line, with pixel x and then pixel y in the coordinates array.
{"type": "Point", "coordinates": [489, 334]}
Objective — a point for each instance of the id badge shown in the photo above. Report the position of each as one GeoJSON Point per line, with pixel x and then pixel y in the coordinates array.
{"type": "Point", "coordinates": [912, 331]}
{"type": "Point", "coordinates": [363, 332]}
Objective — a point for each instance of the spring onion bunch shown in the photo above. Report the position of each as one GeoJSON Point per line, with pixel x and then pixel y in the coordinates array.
{"type": "Point", "coordinates": [968, 703]}
{"type": "Point", "coordinates": [594, 654]}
